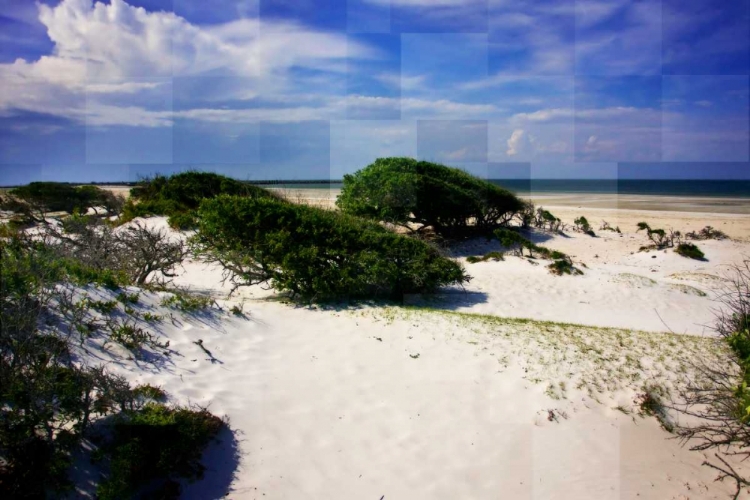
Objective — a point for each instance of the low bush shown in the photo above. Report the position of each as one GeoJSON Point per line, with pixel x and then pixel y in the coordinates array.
{"type": "Point", "coordinates": [583, 226]}
{"type": "Point", "coordinates": [419, 195]}
{"type": "Point", "coordinates": [34, 199]}
{"type": "Point", "coordinates": [316, 254]}
{"type": "Point", "coordinates": [153, 447]}
{"type": "Point", "coordinates": [49, 401]}
{"type": "Point", "coordinates": [563, 266]}
{"type": "Point", "coordinates": [707, 233]}
{"type": "Point", "coordinates": [179, 196]}
{"type": "Point", "coordinates": [690, 251]}
{"type": "Point", "coordinates": [546, 220]}
{"type": "Point", "coordinates": [659, 237]}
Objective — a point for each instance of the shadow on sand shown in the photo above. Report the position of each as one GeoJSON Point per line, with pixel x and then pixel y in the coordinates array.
{"type": "Point", "coordinates": [222, 460]}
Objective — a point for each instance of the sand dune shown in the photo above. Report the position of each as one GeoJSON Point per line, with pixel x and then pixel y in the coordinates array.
{"type": "Point", "coordinates": [377, 401]}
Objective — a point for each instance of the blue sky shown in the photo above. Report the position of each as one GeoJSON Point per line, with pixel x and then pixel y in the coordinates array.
{"type": "Point", "coordinates": [112, 90]}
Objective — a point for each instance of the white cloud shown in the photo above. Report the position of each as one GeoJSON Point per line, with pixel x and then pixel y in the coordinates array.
{"type": "Point", "coordinates": [102, 49]}
{"type": "Point", "coordinates": [517, 142]}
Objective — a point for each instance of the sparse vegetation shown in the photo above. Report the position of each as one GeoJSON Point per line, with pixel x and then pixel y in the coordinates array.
{"type": "Point", "coordinates": [659, 237]}
{"type": "Point", "coordinates": [187, 302]}
{"type": "Point", "coordinates": [606, 227]}
{"type": "Point", "coordinates": [494, 255]}
{"type": "Point", "coordinates": [515, 243]}
{"type": "Point", "coordinates": [582, 225]}
{"type": "Point", "coordinates": [707, 233]}
{"type": "Point", "coordinates": [718, 398]}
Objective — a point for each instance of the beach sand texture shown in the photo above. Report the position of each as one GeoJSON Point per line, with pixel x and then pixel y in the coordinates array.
{"type": "Point", "coordinates": [386, 402]}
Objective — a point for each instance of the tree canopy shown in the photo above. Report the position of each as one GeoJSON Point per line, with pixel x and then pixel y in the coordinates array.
{"type": "Point", "coordinates": [317, 254]}
{"type": "Point", "coordinates": [420, 195]}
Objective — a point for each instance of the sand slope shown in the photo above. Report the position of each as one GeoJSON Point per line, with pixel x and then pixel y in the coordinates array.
{"type": "Point", "coordinates": [392, 403]}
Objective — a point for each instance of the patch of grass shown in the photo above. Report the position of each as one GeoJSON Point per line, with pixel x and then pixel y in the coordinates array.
{"type": "Point", "coordinates": [564, 266]}
{"type": "Point", "coordinates": [128, 298]}
{"type": "Point", "coordinates": [152, 318]}
{"type": "Point", "coordinates": [104, 307]}
{"type": "Point", "coordinates": [187, 302]}
{"type": "Point", "coordinates": [238, 309]}
{"type": "Point", "coordinates": [494, 255]}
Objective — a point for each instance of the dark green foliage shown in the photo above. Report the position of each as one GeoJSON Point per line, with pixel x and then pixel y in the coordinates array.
{"type": "Point", "coordinates": [128, 298]}
{"type": "Point", "coordinates": [420, 195]}
{"type": "Point", "coordinates": [178, 196]}
{"type": "Point", "coordinates": [582, 225]}
{"type": "Point", "coordinates": [317, 254]}
{"type": "Point", "coordinates": [545, 220]}
{"type": "Point", "coordinates": [513, 241]}
{"type": "Point", "coordinates": [48, 402]}
{"type": "Point", "coordinates": [494, 255]}
{"type": "Point", "coordinates": [104, 307]}
{"type": "Point", "coordinates": [690, 251]}
{"type": "Point", "coordinates": [563, 266]}
{"type": "Point", "coordinates": [60, 197]}
{"type": "Point", "coordinates": [183, 221]}
{"type": "Point", "coordinates": [153, 447]}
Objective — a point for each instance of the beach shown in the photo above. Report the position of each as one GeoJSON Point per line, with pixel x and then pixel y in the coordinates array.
{"type": "Point", "coordinates": [521, 384]}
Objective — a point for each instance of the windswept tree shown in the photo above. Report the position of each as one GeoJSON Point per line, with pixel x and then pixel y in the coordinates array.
{"type": "Point", "coordinates": [34, 200]}
{"type": "Point", "coordinates": [419, 195]}
{"type": "Point", "coordinates": [316, 254]}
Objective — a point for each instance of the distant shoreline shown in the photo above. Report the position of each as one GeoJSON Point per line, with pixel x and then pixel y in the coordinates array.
{"type": "Point", "coordinates": [721, 189]}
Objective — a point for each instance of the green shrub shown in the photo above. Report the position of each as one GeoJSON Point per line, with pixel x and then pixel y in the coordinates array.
{"type": "Point", "coordinates": [153, 447]}
{"type": "Point", "coordinates": [179, 195]}
{"type": "Point", "coordinates": [421, 194]}
{"type": "Point", "coordinates": [317, 254]}
{"type": "Point", "coordinates": [690, 251]}
{"type": "Point", "coordinates": [582, 225]}
{"type": "Point", "coordinates": [183, 221]}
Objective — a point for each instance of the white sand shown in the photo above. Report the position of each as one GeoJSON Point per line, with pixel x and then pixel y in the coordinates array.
{"type": "Point", "coordinates": [378, 403]}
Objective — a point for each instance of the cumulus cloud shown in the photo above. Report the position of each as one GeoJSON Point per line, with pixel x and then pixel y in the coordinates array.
{"type": "Point", "coordinates": [102, 49]}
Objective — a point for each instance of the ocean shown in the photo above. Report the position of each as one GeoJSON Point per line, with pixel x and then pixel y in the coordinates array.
{"type": "Point", "coordinates": [691, 188]}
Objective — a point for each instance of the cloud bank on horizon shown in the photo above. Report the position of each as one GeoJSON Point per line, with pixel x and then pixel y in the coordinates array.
{"type": "Point", "coordinates": [95, 90]}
